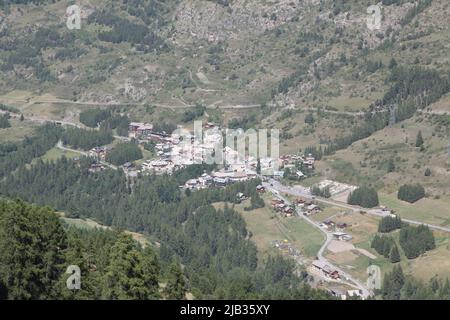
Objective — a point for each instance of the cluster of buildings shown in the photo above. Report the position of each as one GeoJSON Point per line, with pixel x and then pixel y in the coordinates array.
{"type": "Point", "coordinates": [180, 150]}
{"type": "Point", "coordinates": [336, 188]}
{"type": "Point", "coordinates": [337, 229]}
{"type": "Point", "coordinates": [291, 160]}
{"type": "Point", "coordinates": [99, 153]}
{"type": "Point", "coordinates": [307, 207]}
{"type": "Point", "coordinates": [280, 206]}
{"type": "Point", "coordinates": [139, 130]}
{"type": "Point", "coordinates": [221, 178]}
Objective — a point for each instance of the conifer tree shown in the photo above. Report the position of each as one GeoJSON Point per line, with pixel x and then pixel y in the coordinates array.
{"type": "Point", "coordinates": [176, 286]}
{"type": "Point", "coordinates": [394, 255]}
{"type": "Point", "coordinates": [125, 278]}
{"type": "Point", "coordinates": [419, 140]}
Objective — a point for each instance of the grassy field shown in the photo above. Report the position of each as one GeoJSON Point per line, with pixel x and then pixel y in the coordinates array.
{"type": "Point", "coordinates": [91, 224]}
{"type": "Point", "coordinates": [365, 161]}
{"type": "Point", "coordinates": [363, 228]}
{"type": "Point", "coordinates": [17, 132]}
{"type": "Point", "coordinates": [433, 211]}
{"type": "Point", "coordinates": [55, 153]}
{"type": "Point", "coordinates": [267, 226]}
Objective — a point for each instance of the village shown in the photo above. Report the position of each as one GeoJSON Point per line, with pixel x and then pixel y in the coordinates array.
{"type": "Point", "coordinates": [174, 152]}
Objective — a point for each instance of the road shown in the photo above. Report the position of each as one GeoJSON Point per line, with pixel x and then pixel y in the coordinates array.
{"type": "Point", "coordinates": [278, 189]}
{"type": "Point", "coordinates": [159, 105]}
{"type": "Point", "coordinates": [60, 146]}
{"type": "Point", "coordinates": [348, 279]}
{"type": "Point", "coordinates": [300, 191]}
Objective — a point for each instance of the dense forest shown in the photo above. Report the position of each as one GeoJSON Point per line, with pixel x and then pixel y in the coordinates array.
{"type": "Point", "coordinates": [213, 245]}
{"type": "Point", "coordinates": [386, 247]}
{"type": "Point", "coordinates": [21, 153]}
{"type": "Point", "coordinates": [123, 153]}
{"type": "Point", "coordinates": [413, 240]}
{"type": "Point", "coordinates": [106, 119]}
{"type": "Point", "coordinates": [86, 139]}
{"type": "Point", "coordinates": [397, 286]}
{"type": "Point", "coordinates": [37, 250]}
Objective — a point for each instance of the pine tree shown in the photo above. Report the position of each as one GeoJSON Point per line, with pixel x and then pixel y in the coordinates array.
{"type": "Point", "coordinates": [125, 278]}
{"type": "Point", "coordinates": [419, 140]}
{"type": "Point", "coordinates": [176, 286]}
{"type": "Point", "coordinates": [31, 245]}
{"type": "Point", "coordinates": [258, 166]}
{"type": "Point", "coordinates": [151, 270]}
{"type": "Point", "coordinates": [387, 247]}
{"type": "Point", "coordinates": [393, 283]}
{"type": "Point", "coordinates": [394, 255]}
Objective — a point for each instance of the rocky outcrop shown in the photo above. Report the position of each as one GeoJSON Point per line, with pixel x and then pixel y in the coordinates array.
{"type": "Point", "coordinates": [214, 22]}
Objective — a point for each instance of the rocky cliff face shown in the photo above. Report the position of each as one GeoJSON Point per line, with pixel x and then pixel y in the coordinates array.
{"type": "Point", "coordinates": [215, 22]}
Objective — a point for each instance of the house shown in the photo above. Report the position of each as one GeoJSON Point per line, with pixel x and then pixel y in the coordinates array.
{"type": "Point", "coordinates": [342, 226]}
{"type": "Point", "coordinates": [278, 174]}
{"type": "Point", "coordinates": [342, 236]}
{"type": "Point", "coordinates": [325, 269]}
{"type": "Point", "coordinates": [309, 161]}
{"type": "Point", "coordinates": [98, 153]}
{"type": "Point", "coordinates": [128, 165]}
{"type": "Point", "coordinates": [328, 224]}
{"type": "Point", "coordinates": [238, 177]}
{"type": "Point", "coordinates": [300, 174]}
{"type": "Point", "coordinates": [138, 129]}
{"type": "Point", "coordinates": [276, 201]}
{"type": "Point", "coordinates": [96, 167]}
{"type": "Point", "coordinates": [144, 130]}
{"type": "Point", "coordinates": [134, 126]}
{"type": "Point", "coordinates": [221, 182]}
{"type": "Point", "coordinates": [191, 184]}
{"type": "Point", "coordinates": [241, 197]}
{"type": "Point", "coordinates": [205, 180]}
{"type": "Point", "coordinates": [260, 189]}
{"type": "Point", "coordinates": [312, 209]}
